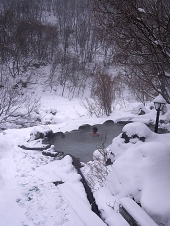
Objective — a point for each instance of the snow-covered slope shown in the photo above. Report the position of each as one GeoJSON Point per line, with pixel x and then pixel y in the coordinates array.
{"type": "Point", "coordinates": [141, 171]}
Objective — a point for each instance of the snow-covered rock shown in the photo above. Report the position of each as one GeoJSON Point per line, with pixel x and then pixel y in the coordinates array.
{"type": "Point", "coordinates": [40, 132]}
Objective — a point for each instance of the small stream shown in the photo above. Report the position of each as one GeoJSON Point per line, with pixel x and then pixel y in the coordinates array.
{"type": "Point", "coordinates": [81, 144]}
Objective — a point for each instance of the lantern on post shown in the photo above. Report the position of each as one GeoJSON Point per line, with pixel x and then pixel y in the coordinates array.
{"type": "Point", "coordinates": [159, 103]}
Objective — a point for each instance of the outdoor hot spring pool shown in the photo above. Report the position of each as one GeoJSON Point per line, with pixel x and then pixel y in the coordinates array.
{"type": "Point", "coordinates": [81, 144]}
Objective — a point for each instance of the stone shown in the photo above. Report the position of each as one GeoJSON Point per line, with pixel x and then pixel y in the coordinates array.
{"type": "Point", "coordinates": [124, 122]}
{"type": "Point", "coordinates": [45, 140]}
{"type": "Point", "coordinates": [141, 112]}
{"type": "Point", "coordinates": [108, 121]}
{"type": "Point", "coordinates": [125, 137]}
{"type": "Point", "coordinates": [51, 154]}
{"type": "Point", "coordinates": [85, 126]}
{"type": "Point", "coordinates": [39, 132]}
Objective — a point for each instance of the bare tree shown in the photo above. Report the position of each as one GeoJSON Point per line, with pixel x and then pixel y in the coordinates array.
{"type": "Point", "coordinates": [140, 30]}
{"type": "Point", "coordinates": [16, 102]}
{"type": "Point", "coordinates": [98, 169]}
{"type": "Point", "coordinates": [15, 106]}
{"type": "Point", "coordinates": [143, 92]}
{"type": "Point", "coordinates": [103, 91]}
{"type": "Point", "coordinates": [92, 106]}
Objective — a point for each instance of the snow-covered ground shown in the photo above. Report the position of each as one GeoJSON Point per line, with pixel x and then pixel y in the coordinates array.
{"type": "Point", "coordinates": [140, 171]}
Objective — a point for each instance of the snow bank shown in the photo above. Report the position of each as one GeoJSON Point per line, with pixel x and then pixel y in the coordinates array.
{"type": "Point", "coordinates": [7, 166]}
{"type": "Point", "coordinates": [8, 185]}
{"type": "Point", "coordinates": [143, 173]}
{"type": "Point", "coordinates": [87, 217]}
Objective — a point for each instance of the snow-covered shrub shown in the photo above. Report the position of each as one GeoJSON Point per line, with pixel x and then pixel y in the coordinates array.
{"type": "Point", "coordinates": [40, 132]}
{"type": "Point", "coordinates": [132, 134]}
{"type": "Point", "coordinates": [137, 128]}
{"type": "Point", "coordinates": [96, 171]}
{"type": "Point", "coordinates": [135, 132]}
{"type": "Point", "coordinates": [103, 90]}
{"type": "Point", "coordinates": [92, 107]}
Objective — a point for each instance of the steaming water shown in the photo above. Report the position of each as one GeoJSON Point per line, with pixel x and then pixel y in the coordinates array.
{"type": "Point", "coordinates": [82, 144]}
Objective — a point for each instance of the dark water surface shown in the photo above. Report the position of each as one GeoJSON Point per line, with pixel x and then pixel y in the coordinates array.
{"type": "Point", "coordinates": [81, 144]}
